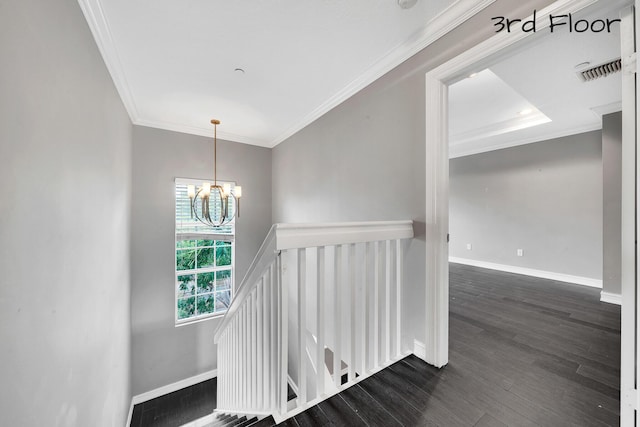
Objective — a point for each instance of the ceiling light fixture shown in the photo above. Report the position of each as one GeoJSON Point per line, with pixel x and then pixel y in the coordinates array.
{"type": "Point", "coordinates": [210, 203]}
{"type": "Point", "coordinates": [407, 4]}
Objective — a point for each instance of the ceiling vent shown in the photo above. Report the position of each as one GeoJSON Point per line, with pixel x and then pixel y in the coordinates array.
{"type": "Point", "coordinates": [602, 70]}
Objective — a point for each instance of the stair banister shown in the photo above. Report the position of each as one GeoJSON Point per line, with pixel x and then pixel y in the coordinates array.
{"type": "Point", "coordinates": [257, 349]}
{"type": "Point", "coordinates": [265, 255]}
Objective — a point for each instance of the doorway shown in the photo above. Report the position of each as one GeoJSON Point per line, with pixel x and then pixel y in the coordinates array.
{"type": "Point", "coordinates": [437, 82]}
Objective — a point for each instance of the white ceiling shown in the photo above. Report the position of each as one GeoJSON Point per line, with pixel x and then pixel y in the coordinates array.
{"type": "Point", "coordinates": [484, 109]}
{"type": "Point", "coordinates": [173, 61]}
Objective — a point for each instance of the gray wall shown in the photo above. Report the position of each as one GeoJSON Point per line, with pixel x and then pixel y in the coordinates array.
{"type": "Point", "coordinates": [163, 353]}
{"type": "Point", "coordinates": [365, 159]}
{"type": "Point", "coordinates": [65, 162]}
{"type": "Point", "coordinates": [545, 198]}
{"type": "Point", "coordinates": [612, 203]}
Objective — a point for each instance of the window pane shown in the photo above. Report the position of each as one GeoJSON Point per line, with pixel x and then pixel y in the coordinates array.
{"type": "Point", "coordinates": [205, 304]}
{"type": "Point", "coordinates": [185, 259]}
{"type": "Point", "coordinates": [206, 257]}
{"type": "Point", "coordinates": [201, 250]}
{"type": "Point", "coordinates": [223, 299]}
{"type": "Point", "coordinates": [223, 280]}
{"type": "Point", "coordinates": [223, 255]}
{"type": "Point", "coordinates": [205, 282]}
{"type": "Point", "coordinates": [185, 244]}
{"type": "Point", "coordinates": [186, 307]}
{"type": "Point", "coordinates": [186, 285]}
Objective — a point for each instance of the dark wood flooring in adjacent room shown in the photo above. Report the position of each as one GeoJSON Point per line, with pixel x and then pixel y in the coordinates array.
{"type": "Point", "coordinates": [523, 351]}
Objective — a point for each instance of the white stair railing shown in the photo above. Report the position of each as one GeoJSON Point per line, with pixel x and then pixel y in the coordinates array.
{"type": "Point", "coordinates": [319, 310]}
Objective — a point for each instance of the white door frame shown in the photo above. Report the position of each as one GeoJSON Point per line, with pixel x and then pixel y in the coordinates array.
{"type": "Point", "coordinates": [629, 398]}
{"type": "Point", "coordinates": [437, 166]}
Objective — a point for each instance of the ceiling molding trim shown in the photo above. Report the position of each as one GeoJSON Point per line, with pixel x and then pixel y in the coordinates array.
{"type": "Point", "coordinates": [601, 110]}
{"type": "Point", "coordinates": [206, 132]}
{"type": "Point", "coordinates": [455, 152]}
{"type": "Point", "coordinates": [444, 22]}
{"type": "Point", "coordinates": [94, 14]}
{"type": "Point", "coordinates": [494, 129]}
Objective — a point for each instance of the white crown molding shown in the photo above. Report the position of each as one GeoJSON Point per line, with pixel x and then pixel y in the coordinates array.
{"type": "Point", "coordinates": [455, 152]}
{"type": "Point", "coordinates": [495, 129]}
{"type": "Point", "coordinates": [440, 25]}
{"type": "Point", "coordinates": [196, 130]}
{"type": "Point", "coordinates": [444, 22]}
{"type": "Point", "coordinates": [543, 274]}
{"type": "Point", "coordinates": [601, 110]}
{"type": "Point", "coordinates": [611, 298]}
{"type": "Point", "coordinates": [94, 14]}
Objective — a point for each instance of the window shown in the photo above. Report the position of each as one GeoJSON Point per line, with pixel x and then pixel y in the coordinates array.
{"type": "Point", "coordinates": [204, 262]}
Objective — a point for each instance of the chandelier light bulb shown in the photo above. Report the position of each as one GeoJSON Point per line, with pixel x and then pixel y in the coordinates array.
{"type": "Point", "coordinates": [191, 191]}
{"type": "Point", "coordinates": [226, 189]}
{"type": "Point", "coordinates": [206, 189]}
{"type": "Point", "coordinates": [238, 191]}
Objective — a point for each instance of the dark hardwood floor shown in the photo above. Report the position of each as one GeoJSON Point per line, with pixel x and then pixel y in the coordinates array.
{"type": "Point", "coordinates": [177, 408]}
{"type": "Point", "coordinates": [523, 352]}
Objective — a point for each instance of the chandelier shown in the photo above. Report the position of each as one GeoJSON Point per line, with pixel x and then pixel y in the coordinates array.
{"type": "Point", "coordinates": [210, 203]}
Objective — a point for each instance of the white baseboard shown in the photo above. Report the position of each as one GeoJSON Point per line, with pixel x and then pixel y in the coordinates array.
{"type": "Point", "coordinates": [578, 280]}
{"type": "Point", "coordinates": [130, 414]}
{"type": "Point", "coordinates": [170, 388]}
{"type": "Point", "coordinates": [611, 298]}
{"type": "Point", "coordinates": [420, 350]}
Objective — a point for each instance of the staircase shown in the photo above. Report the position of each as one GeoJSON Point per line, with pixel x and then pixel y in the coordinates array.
{"type": "Point", "coordinates": [225, 420]}
{"type": "Point", "coordinates": [319, 310]}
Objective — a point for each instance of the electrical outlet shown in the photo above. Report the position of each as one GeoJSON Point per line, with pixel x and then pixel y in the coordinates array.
{"type": "Point", "coordinates": [520, 252]}
{"type": "Point", "coordinates": [468, 246]}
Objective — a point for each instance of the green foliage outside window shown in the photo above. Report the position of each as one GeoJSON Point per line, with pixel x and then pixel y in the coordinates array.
{"type": "Point", "coordinates": [204, 286]}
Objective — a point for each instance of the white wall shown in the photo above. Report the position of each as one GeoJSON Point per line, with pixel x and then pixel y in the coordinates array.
{"type": "Point", "coordinates": [162, 353]}
{"type": "Point", "coordinates": [65, 166]}
{"type": "Point", "coordinates": [544, 198]}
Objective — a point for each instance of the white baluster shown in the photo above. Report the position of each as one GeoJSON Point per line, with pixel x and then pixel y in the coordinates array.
{"type": "Point", "coordinates": [284, 342]}
{"type": "Point", "coordinates": [273, 337]}
{"type": "Point", "coordinates": [243, 356]}
{"type": "Point", "coordinates": [302, 326]}
{"type": "Point", "coordinates": [254, 351]}
{"type": "Point", "coordinates": [266, 342]}
{"type": "Point", "coordinates": [387, 302]}
{"type": "Point", "coordinates": [350, 304]}
{"type": "Point", "coordinates": [225, 365]}
{"type": "Point", "coordinates": [320, 289]}
{"type": "Point", "coordinates": [399, 266]}
{"type": "Point", "coordinates": [249, 341]}
{"type": "Point", "coordinates": [376, 303]}
{"type": "Point", "coordinates": [337, 356]}
{"type": "Point", "coordinates": [365, 300]}
{"type": "Point", "coordinates": [259, 344]}
{"type": "Point", "coordinates": [237, 381]}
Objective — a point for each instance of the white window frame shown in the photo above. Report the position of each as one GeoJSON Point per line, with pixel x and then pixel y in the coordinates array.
{"type": "Point", "coordinates": [206, 316]}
